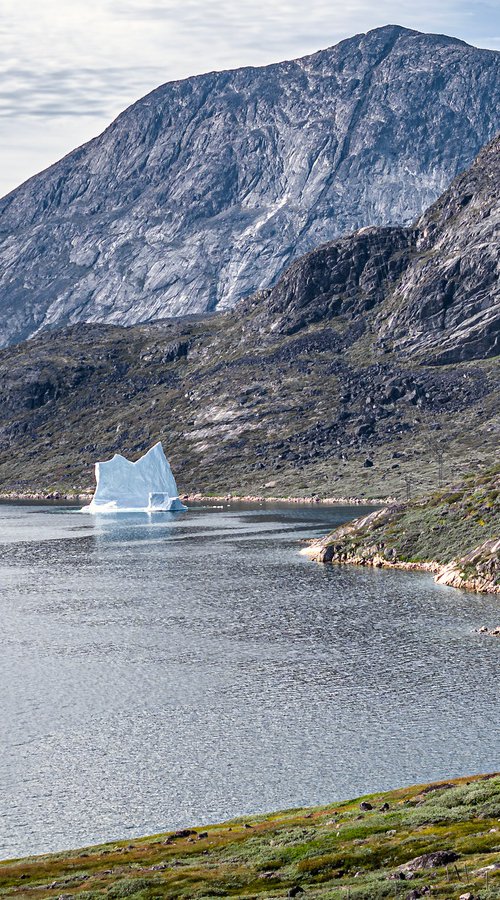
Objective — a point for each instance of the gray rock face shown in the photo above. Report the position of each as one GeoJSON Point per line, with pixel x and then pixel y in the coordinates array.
{"type": "Point", "coordinates": [447, 304]}
{"type": "Point", "coordinates": [347, 277]}
{"type": "Point", "coordinates": [206, 189]}
{"type": "Point", "coordinates": [434, 288]}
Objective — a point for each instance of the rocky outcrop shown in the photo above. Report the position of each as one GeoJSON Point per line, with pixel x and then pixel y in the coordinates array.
{"type": "Point", "coordinates": [389, 537]}
{"type": "Point", "coordinates": [446, 305]}
{"type": "Point", "coordinates": [347, 277]}
{"type": "Point", "coordinates": [478, 570]}
{"type": "Point", "coordinates": [429, 861]}
{"type": "Point", "coordinates": [205, 190]}
{"type": "Point", "coordinates": [434, 289]}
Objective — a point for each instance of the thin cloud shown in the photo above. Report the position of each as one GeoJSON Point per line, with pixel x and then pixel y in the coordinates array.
{"type": "Point", "coordinates": [64, 92]}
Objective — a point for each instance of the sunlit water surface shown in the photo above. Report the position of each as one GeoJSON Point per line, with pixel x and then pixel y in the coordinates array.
{"type": "Point", "coordinates": [175, 670]}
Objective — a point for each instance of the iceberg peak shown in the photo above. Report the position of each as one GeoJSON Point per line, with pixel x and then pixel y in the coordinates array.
{"type": "Point", "coordinates": [146, 485]}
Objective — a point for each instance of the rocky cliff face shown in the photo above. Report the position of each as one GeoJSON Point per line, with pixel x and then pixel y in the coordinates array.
{"type": "Point", "coordinates": [325, 383]}
{"type": "Point", "coordinates": [434, 288]}
{"type": "Point", "coordinates": [204, 191]}
{"type": "Point", "coordinates": [446, 306]}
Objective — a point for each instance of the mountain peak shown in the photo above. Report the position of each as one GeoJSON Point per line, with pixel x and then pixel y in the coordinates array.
{"type": "Point", "coordinates": [206, 189]}
{"type": "Point", "coordinates": [399, 30]}
{"type": "Point", "coordinates": [394, 33]}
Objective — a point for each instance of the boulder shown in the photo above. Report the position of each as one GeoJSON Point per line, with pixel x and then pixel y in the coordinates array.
{"type": "Point", "coordinates": [430, 860]}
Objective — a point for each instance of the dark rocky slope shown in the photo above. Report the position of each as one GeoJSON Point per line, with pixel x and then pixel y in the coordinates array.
{"type": "Point", "coordinates": [435, 286]}
{"type": "Point", "coordinates": [446, 307]}
{"type": "Point", "coordinates": [304, 388]}
{"type": "Point", "coordinates": [203, 191]}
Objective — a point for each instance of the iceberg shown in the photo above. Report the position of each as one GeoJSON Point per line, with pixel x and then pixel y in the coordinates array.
{"type": "Point", "coordinates": [147, 485]}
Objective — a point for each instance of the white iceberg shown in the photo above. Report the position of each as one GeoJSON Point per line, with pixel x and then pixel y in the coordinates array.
{"type": "Point", "coordinates": [147, 485]}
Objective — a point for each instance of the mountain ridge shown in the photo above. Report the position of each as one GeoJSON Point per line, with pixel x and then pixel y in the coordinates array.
{"type": "Point", "coordinates": [204, 190]}
{"type": "Point", "coordinates": [250, 68]}
{"type": "Point", "coordinates": [437, 281]}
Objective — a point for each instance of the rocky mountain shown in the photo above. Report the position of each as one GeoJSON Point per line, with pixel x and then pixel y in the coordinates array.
{"type": "Point", "coordinates": [205, 190]}
{"type": "Point", "coordinates": [434, 286]}
{"type": "Point", "coordinates": [368, 368]}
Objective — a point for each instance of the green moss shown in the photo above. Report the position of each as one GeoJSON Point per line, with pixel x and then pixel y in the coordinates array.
{"type": "Point", "coordinates": [329, 851]}
{"type": "Point", "coordinates": [130, 887]}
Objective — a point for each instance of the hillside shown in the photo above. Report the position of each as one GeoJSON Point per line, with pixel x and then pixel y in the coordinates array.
{"type": "Point", "coordinates": [454, 533]}
{"type": "Point", "coordinates": [437, 839]}
{"type": "Point", "coordinates": [320, 385]}
{"type": "Point", "coordinates": [206, 189]}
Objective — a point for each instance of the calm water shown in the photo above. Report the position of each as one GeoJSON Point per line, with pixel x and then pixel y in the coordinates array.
{"type": "Point", "coordinates": [162, 672]}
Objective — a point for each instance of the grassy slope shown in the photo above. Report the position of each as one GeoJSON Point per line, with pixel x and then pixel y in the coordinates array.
{"type": "Point", "coordinates": [334, 851]}
{"type": "Point", "coordinates": [446, 526]}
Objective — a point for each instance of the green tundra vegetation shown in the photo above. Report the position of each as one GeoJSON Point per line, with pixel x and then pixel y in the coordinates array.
{"type": "Point", "coordinates": [441, 840]}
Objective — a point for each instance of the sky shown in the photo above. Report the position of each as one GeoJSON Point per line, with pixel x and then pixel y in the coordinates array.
{"type": "Point", "coordinates": [68, 67]}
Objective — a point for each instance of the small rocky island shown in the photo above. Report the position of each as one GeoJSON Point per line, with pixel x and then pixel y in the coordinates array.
{"type": "Point", "coordinates": [454, 533]}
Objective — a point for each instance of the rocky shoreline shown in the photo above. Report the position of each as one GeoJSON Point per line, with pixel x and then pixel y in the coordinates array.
{"type": "Point", "coordinates": [86, 496]}
{"type": "Point", "coordinates": [5, 496]}
{"type": "Point", "coordinates": [450, 574]}
{"type": "Point", "coordinates": [260, 498]}
{"type": "Point", "coordinates": [360, 542]}
{"type": "Point", "coordinates": [406, 536]}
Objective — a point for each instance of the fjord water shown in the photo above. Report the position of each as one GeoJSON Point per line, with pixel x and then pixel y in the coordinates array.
{"type": "Point", "coordinates": [163, 671]}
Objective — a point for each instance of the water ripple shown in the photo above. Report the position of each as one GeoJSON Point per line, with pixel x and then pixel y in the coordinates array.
{"type": "Point", "coordinates": [158, 673]}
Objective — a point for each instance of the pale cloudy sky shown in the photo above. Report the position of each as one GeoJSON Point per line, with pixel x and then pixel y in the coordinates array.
{"type": "Point", "coordinates": [68, 67]}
